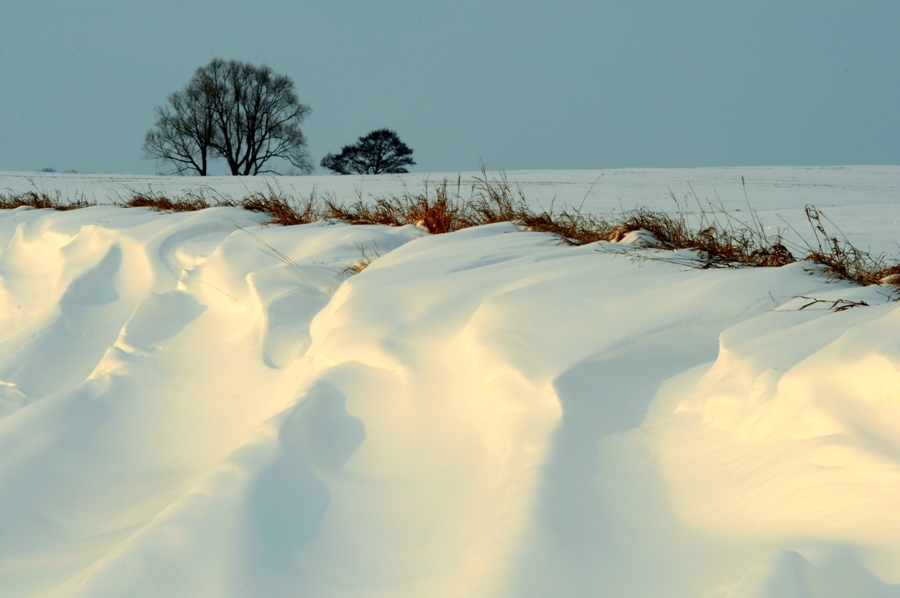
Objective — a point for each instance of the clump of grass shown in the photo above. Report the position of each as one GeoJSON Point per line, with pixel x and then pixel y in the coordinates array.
{"type": "Point", "coordinates": [363, 262]}
{"type": "Point", "coordinates": [842, 260]}
{"type": "Point", "coordinates": [439, 214]}
{"type": "Point", "coordinates": [723, 240]}
{"type": "Point", "coordinates": [158, 202]}
{"type": "Point", "coordinates": [282, 209]}
{"type": "Point", "coordinates": [489, 201]}
{"type": "Point", "coordinates": [718, 238]}
{"type": "Point", "coordinates": [41, 200]}
{"type": "Point", "coordinates": [495, 200]}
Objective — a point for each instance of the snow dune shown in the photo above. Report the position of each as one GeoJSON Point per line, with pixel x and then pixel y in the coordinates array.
{"type": "Point", "coordinates": [196, 405]}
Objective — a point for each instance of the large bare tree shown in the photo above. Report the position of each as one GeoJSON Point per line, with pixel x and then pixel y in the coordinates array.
{"type": "Point", "coordinates": [246, 115]}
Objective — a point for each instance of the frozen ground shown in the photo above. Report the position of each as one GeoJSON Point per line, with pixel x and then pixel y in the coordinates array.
{"type": "Point", "coordinates": [196, 405]}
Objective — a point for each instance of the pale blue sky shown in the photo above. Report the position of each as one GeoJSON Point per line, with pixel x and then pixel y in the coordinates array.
{"type": "Point", "coordinates": [520, 85]}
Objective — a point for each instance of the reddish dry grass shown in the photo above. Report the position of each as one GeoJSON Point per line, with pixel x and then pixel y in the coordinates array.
{"type": "Point", "coordinates": [439, 215]}
{"type": "Point", "coordinates": [283, 210]}
{"type": "Point", "coordinates": [489, 202]}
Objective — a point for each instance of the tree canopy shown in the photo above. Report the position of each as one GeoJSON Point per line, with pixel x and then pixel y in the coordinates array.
{"type": "Point", "coordinates": [379, 152]}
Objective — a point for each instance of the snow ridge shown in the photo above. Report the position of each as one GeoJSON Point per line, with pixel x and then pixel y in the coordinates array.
{"type": "Point", "coordinates": [483, 413]}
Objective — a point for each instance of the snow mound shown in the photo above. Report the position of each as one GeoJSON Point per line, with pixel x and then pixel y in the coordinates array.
{"type": "Point", "coordinates": [197, 405]}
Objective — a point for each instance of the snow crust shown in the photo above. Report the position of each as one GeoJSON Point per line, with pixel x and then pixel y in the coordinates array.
{"type": "Point", "coordinates": [196, 405]}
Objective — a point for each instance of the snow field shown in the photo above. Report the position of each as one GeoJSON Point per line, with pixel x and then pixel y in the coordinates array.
{"type": "Point", "coordinates": [197, 405]}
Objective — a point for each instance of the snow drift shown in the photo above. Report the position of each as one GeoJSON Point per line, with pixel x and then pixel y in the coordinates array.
{"type": "Point", "coordinates": [197, 405]}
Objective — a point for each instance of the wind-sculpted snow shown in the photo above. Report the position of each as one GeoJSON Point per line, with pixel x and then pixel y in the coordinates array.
{"type": "Point", "coordinates": [197, 405]}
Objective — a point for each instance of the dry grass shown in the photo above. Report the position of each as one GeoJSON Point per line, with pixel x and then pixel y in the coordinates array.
{"type": "Point", "coordinates": [844, 261]}
{"type": "Point", "coordinates": [836, 306]}
{"type": "Point", "coordinates": [717, 236]}
{"type": "Point", "coordinates": [283, 209]}
{"type": "Point", "coordinates": [41, 200]}
{"type": "Point", "coordinates": [363, 262]}
{"type": "Point", "coordinates": [495, 200]}
{"type": "Point", "coordinates": [489, 201]}
{"type": "Point", "coordinates": [191, 201]}
{"type": "Point", "coordinates": [439, 214]}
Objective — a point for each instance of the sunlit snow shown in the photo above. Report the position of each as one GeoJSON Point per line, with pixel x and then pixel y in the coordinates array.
{"type": "Point", "coordinates": [195, 405]}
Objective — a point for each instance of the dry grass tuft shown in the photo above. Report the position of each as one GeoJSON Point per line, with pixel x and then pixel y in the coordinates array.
{"type": "Point", "coordinates": [495, 200]}
{"type": "Point", "coordinates": [440, 214]}
{"type": "Point", "coordinates": [283, 209]}
{"type": "Point", "coordinates": [156, 201]}
{"type": "Point", "coordinates": [363, 262]}
{"type": "Point", "coordinates": [489, 201]}
{"type": "Point", "coordinates": [720, 239]}
{"type": "Point", "coordinates": [844, 261]}
{"type": "Point", "coordinates": [41, 200]}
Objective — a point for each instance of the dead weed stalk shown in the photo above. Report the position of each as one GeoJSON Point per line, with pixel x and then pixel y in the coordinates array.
{"type": "Point", "coordinates": [363, 262]}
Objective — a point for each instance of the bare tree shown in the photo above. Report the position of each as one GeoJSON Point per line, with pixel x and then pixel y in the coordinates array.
{"type": "Point", "coordinates": [184, 132]}
{"type": "Point", "coordinates": [378, 152]}
{"type": "Point", "coordinates": [244, 114]}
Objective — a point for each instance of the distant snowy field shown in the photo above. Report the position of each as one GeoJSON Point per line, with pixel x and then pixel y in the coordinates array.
{"type": "Point", "coordinates": [195, 405]}
{"type": "Point", "coordinates": [864, 201]}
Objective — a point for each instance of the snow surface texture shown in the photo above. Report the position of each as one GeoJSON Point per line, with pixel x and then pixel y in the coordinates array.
{"type": "Point", "coordinates": [196, 405]}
